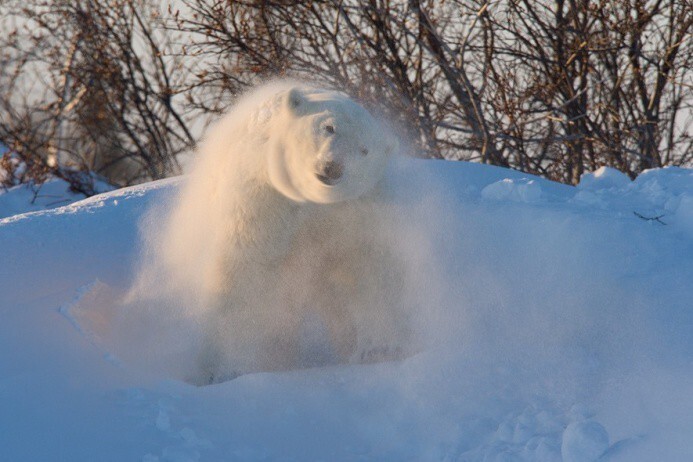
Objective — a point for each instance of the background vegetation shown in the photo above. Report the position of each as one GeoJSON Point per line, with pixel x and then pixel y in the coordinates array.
{"type": "Point", "coordinates": [551, 87]}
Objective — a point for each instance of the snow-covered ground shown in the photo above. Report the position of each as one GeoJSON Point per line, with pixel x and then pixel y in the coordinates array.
{"type": "Point", "coordinates": [18, 197]}
{"type": "Point", "coordinates": [565, 333]}
{"type": "Point", "coordinates": [30, 197]}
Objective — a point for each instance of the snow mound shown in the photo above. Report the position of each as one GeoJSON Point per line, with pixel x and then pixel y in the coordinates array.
{"type": "Point", "coordinates": [31, 197]}
{"type": "Point", "coordinates": [659, 196]}
{"type": "Point", "coordinates": [522, 190]}
{"type": "Point", "coordinates": [603, 178]}
{"type": "Point", "coordinates": [584, 441]}
{"type": "Point", "coordinates": [564, 332]}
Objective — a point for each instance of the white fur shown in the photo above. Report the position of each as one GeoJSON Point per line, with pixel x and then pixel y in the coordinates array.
{"type": "Point", "coordinates": [263, 244]}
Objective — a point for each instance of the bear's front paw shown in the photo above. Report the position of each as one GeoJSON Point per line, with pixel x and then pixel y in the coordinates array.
{"type": "Point", "coordinates": [210, 378]}
{"type": "Point", "coordinates": [220, 377]}
{"type": "Point", "coordinates": [381, 354]}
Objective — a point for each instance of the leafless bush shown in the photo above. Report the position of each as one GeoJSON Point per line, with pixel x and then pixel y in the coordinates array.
{"type": "Point", "coordinates": [574, 85]}
{"type": "Point", "coordinates": [551, 87]}
{"type": "Point", "coordinates": [548, 87]}
{"type": "Point", "coordinates": [88, 88]}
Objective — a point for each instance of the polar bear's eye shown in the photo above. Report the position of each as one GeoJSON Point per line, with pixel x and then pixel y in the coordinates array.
{"type": "Point", "coordinates": [329, 128]}
{"type": "Point", "coordinates": [364, 151]}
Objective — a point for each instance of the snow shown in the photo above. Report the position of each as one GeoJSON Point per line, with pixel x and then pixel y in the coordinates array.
{"type": "Point", "coordinates": [584, 441]}
{"type": "Point", "coordinates": [30, 197]}
{"type": "Point", "coordinates": [603, 178]}
{"type": "Point", "coordinates": [660, 196]}
{"type": "Point", "coordinates": [522, 190]}
{"type": "Point", "coordinates": [564, 333]}
{"type": "Point", "coordinates": [33, 197]}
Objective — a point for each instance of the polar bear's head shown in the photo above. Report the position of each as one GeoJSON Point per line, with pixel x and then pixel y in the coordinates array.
{"type": "Point", "coordinates": [325, 147]}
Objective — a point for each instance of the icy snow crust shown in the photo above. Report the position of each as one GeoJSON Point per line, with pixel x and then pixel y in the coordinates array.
{"type": "Point", "coordinates": [36, 197]}
{"type": "Point", "coordinates": [565, 334]}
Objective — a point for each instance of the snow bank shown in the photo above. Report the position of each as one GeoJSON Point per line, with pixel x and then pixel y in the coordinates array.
{"type": "Point", "coordinates": [661, 196]}
{"type": "Point", "coordinates": [31, 197]}
{"type": "Point", "coordinates": [564, 334]}
{"type": "Point", "coordinates": [17, 196]}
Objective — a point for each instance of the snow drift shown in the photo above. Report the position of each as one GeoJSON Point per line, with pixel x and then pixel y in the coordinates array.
{"type": "Point", "coordinates": [562, 331]}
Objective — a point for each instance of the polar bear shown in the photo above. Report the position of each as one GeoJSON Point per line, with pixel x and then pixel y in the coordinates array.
{"type": "Point", "coordinates": [281, 222]}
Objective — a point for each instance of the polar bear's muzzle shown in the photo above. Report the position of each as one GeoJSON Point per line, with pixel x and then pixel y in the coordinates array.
{"type": "Point", "coordinates": [329, 172]}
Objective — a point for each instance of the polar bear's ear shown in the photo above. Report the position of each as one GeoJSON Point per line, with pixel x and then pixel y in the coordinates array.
{"type": "Point", "coordinates": [296, 101]}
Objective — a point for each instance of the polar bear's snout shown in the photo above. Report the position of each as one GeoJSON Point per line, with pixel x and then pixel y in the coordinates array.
{"type": "Point", "coordinates": [329, 172]}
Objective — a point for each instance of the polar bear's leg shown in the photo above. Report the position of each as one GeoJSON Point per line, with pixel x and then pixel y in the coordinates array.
{"type": "Point", "coordinates": [215, 361]}
{"type": "Point", "coordinates": [248, 335]}
{"type": "Point", "coordinates": [358, 289]}
{"type": "Point", "coordinates": [342, 331]}
{"type": "Point", "coordinates": [381, 312]}
{"type": "Point", "coordinates": [210, 363]}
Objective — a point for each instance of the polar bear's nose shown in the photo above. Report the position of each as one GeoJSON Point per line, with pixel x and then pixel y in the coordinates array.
{"type": "Point", "coordinates": [329, 172]}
